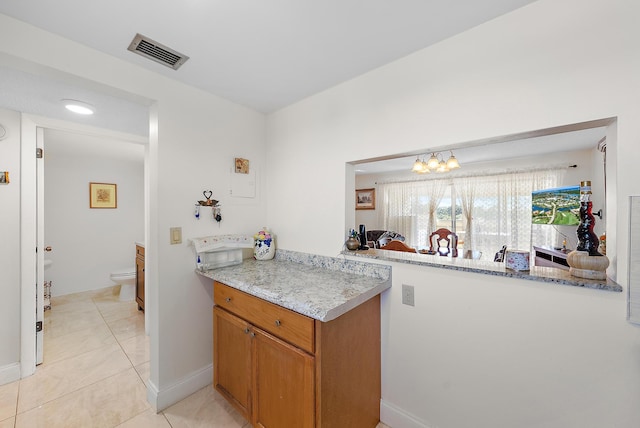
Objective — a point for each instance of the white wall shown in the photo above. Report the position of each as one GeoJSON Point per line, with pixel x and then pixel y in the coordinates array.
{"type": "Point", "coordinates": [9, 250]}
{"type": "Point", "coordinates": [481, 351]}
{"type": "Point", "coordinates": [193, 139]}
{"type": "Point", "coordinates": [88, 244]}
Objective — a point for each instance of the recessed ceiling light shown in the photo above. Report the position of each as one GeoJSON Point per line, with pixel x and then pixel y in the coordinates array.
{"type": "Point", "coordinates": [79, 107]}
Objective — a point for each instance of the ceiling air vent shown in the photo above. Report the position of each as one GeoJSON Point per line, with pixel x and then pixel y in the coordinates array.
{"type": "Point", "coordinates": [157, 52]}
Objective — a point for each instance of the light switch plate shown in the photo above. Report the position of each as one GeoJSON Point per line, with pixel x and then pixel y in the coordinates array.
{"type": "Point", "coordinates": [175, 235]}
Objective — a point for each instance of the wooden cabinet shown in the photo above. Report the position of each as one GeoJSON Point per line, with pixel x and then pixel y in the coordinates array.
{"type": "Point", "coordinates": [140, 277]}
{"type": "Point", "coordinates": [282, 369]}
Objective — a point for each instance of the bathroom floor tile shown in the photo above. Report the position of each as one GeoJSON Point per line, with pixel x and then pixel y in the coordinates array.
{"type": "Point", "coordinates": [8, 423]}
{"type": "Point", "coordinates": [144, 371]}
{"type": "Point", "coordinates": [127, 328]}
{"type": "Point", "coordinates": [74, 297]}
{"type": "Point", "coordinates": [147, 419]}
{"type": "Point", "coordinates": [137, 349]}
{"type": "Point", "coordinates": [57, 324]}
{"type": "Point", "coordinates": [57, 379]}
{"type": "Point", "coordinates": [205, 408]}
{"type": "Point", "coordinates": [106, 403]}
{"type": "Point", "coordinates": [77, 342]}
{"type": "Point", "coordinates": [106, 293]}
{"type": "Point", "coordinates": [114, 311]}
{"type": "Point", "coordinates": [8, 400]}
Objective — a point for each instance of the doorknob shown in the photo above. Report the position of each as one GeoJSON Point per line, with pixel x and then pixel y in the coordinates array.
{"type": "Point", "coordinates": [47, 248]}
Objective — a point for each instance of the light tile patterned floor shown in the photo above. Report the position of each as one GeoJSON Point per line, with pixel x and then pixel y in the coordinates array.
{"type": "Point", "coordinates": [96, 365]}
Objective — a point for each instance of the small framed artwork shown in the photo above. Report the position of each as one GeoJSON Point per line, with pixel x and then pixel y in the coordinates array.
{"type": "Point", "coordinates": [242, 166]}
{"type": "Point", "coordinates": [366, 199]}
{"type": "Point", "coordinates": [103, 195]}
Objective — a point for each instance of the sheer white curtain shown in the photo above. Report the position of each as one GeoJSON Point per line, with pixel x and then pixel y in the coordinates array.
{"type": "Point", "coordinates": [466, 190]}
{"type": "Point", "coordinates": [400, 205]}
{"type": "Point", "coordinates": [409, 208]}
{"type": "Point", "coordinates": [498, 210]}
{"type": "Point", "coordinates": [434, 191]}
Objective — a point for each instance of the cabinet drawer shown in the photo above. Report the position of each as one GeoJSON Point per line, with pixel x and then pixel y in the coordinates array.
{"type": "Point", "coordinates": [288, 325]}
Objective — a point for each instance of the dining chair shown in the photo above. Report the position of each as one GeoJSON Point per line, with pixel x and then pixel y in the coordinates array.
{"type": "Point", "coordinates": [443, 242]}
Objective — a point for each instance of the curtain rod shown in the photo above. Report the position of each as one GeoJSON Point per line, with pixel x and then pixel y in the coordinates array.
{"type": "Point", "coordinates": [481, 174]}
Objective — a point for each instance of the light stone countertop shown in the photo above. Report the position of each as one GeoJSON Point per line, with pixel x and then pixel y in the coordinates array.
{"type": "Point", "coordinates": [536, 273]}
{"type": "Point", "coordinates": [319, 287]}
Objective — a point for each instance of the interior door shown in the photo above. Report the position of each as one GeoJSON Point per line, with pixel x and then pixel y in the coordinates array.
{"type": "Point", "coordinates": [39, 246]}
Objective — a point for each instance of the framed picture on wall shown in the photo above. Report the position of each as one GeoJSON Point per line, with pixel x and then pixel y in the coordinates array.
{"type": "Point", "coordinates": [366, 199]}
{"type": "Point", "coordinates": [103, 195]}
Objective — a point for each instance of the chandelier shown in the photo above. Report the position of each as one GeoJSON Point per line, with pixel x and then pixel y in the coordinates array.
{"type": "Point", "coordinates": [435, 163]}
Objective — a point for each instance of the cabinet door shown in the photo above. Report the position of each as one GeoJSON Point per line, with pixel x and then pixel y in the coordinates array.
{"type": "Point", "coordinates": [283, 389]}
{"type": "Point", "coordinates": [140, 282]}
{"type": "Point", "coordinates": [232, 359]}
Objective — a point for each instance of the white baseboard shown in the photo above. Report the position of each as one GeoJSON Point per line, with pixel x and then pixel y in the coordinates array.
{"type": "Point", "coordinates": [396, 417]}
{"type": "Point", "coordinates": [161, 399]}
{"type": "Point", "coordinates": [9, 373]}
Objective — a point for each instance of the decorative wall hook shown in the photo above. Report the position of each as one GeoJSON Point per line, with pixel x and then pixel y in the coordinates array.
{"type": "Point", "coordinates": [208, 202]}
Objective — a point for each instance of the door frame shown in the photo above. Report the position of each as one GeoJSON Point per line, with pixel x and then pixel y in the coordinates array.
{"type": "Point", "coordinates": [29, 221]}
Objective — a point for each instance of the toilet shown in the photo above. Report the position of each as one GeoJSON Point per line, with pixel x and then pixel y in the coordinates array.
{"type": "Point", "coordinates": [127, 280]}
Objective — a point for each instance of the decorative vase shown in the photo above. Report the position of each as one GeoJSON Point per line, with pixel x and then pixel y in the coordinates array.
{"type": "Point", "coordinates": [352, 243]}
{"type": "Point", "coordinates": [585, 261]}
{"type": "Point", "coordinates": [587, 240]}
{"type": "Point", "coordinates": [264, 246]}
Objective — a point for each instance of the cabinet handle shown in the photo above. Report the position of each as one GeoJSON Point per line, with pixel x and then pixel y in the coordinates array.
{"type": "Point", "coordinates": [228, 299]}
{"type": "Point", "coordinates": [246, 330]}
{"type": "Point", "coordinates": [278, 323]}
{"type": "Point", "coordinates": [253, 334]}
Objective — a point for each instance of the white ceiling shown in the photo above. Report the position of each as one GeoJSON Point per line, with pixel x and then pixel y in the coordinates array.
{"type": "Point", "coordinates": [262, 54]}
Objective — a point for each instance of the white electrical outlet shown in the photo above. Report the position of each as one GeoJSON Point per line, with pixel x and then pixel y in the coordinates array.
{"type": "Point", "coordinates": [407, 295]}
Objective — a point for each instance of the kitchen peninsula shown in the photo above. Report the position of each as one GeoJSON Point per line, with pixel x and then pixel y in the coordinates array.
{"type": "Point", "coordinates": [536, 273]}
{"type": "Point", "coordinates": [297, 340]}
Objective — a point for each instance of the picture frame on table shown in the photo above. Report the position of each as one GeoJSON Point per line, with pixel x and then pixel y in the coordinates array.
{"type": "Point", "coordinates": [365, 199]}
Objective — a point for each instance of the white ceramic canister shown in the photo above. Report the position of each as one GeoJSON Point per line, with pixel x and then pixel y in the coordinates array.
{"type": "Point", "coordinates": [517, 260]}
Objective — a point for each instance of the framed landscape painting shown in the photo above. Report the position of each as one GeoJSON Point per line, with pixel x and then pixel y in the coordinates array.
{"type": "Point", "coordinates": [103, 195]}
{"type": "Point", "coordinates": [366, 199]}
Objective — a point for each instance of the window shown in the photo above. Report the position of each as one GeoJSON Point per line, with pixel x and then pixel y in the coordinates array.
{"type": "Point", "coordinates": [486, 211]}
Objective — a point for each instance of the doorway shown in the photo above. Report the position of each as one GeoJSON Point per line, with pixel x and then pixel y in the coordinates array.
{"type": "Point", "coordinates": [32, 226]}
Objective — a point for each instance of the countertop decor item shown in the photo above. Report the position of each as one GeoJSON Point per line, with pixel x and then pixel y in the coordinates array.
{"type": "Point", "coordinates": [352, 242]}
{"type": "Point", "coordinates": [586, 261]}
{"type": "Point", "coordinates": [517, 260]}
{"type": "Point", "coordinates": [264, 245]}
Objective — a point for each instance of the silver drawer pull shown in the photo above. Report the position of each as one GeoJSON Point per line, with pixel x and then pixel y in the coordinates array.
{"type": "Point", "coordinates": [278, 323]}
{"type": "Point", "coordinates": [246, 330]}
{"type": "Point", "coordinates": [228, 299]}
{"type": "Point", "coordinates": [253, 334]}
